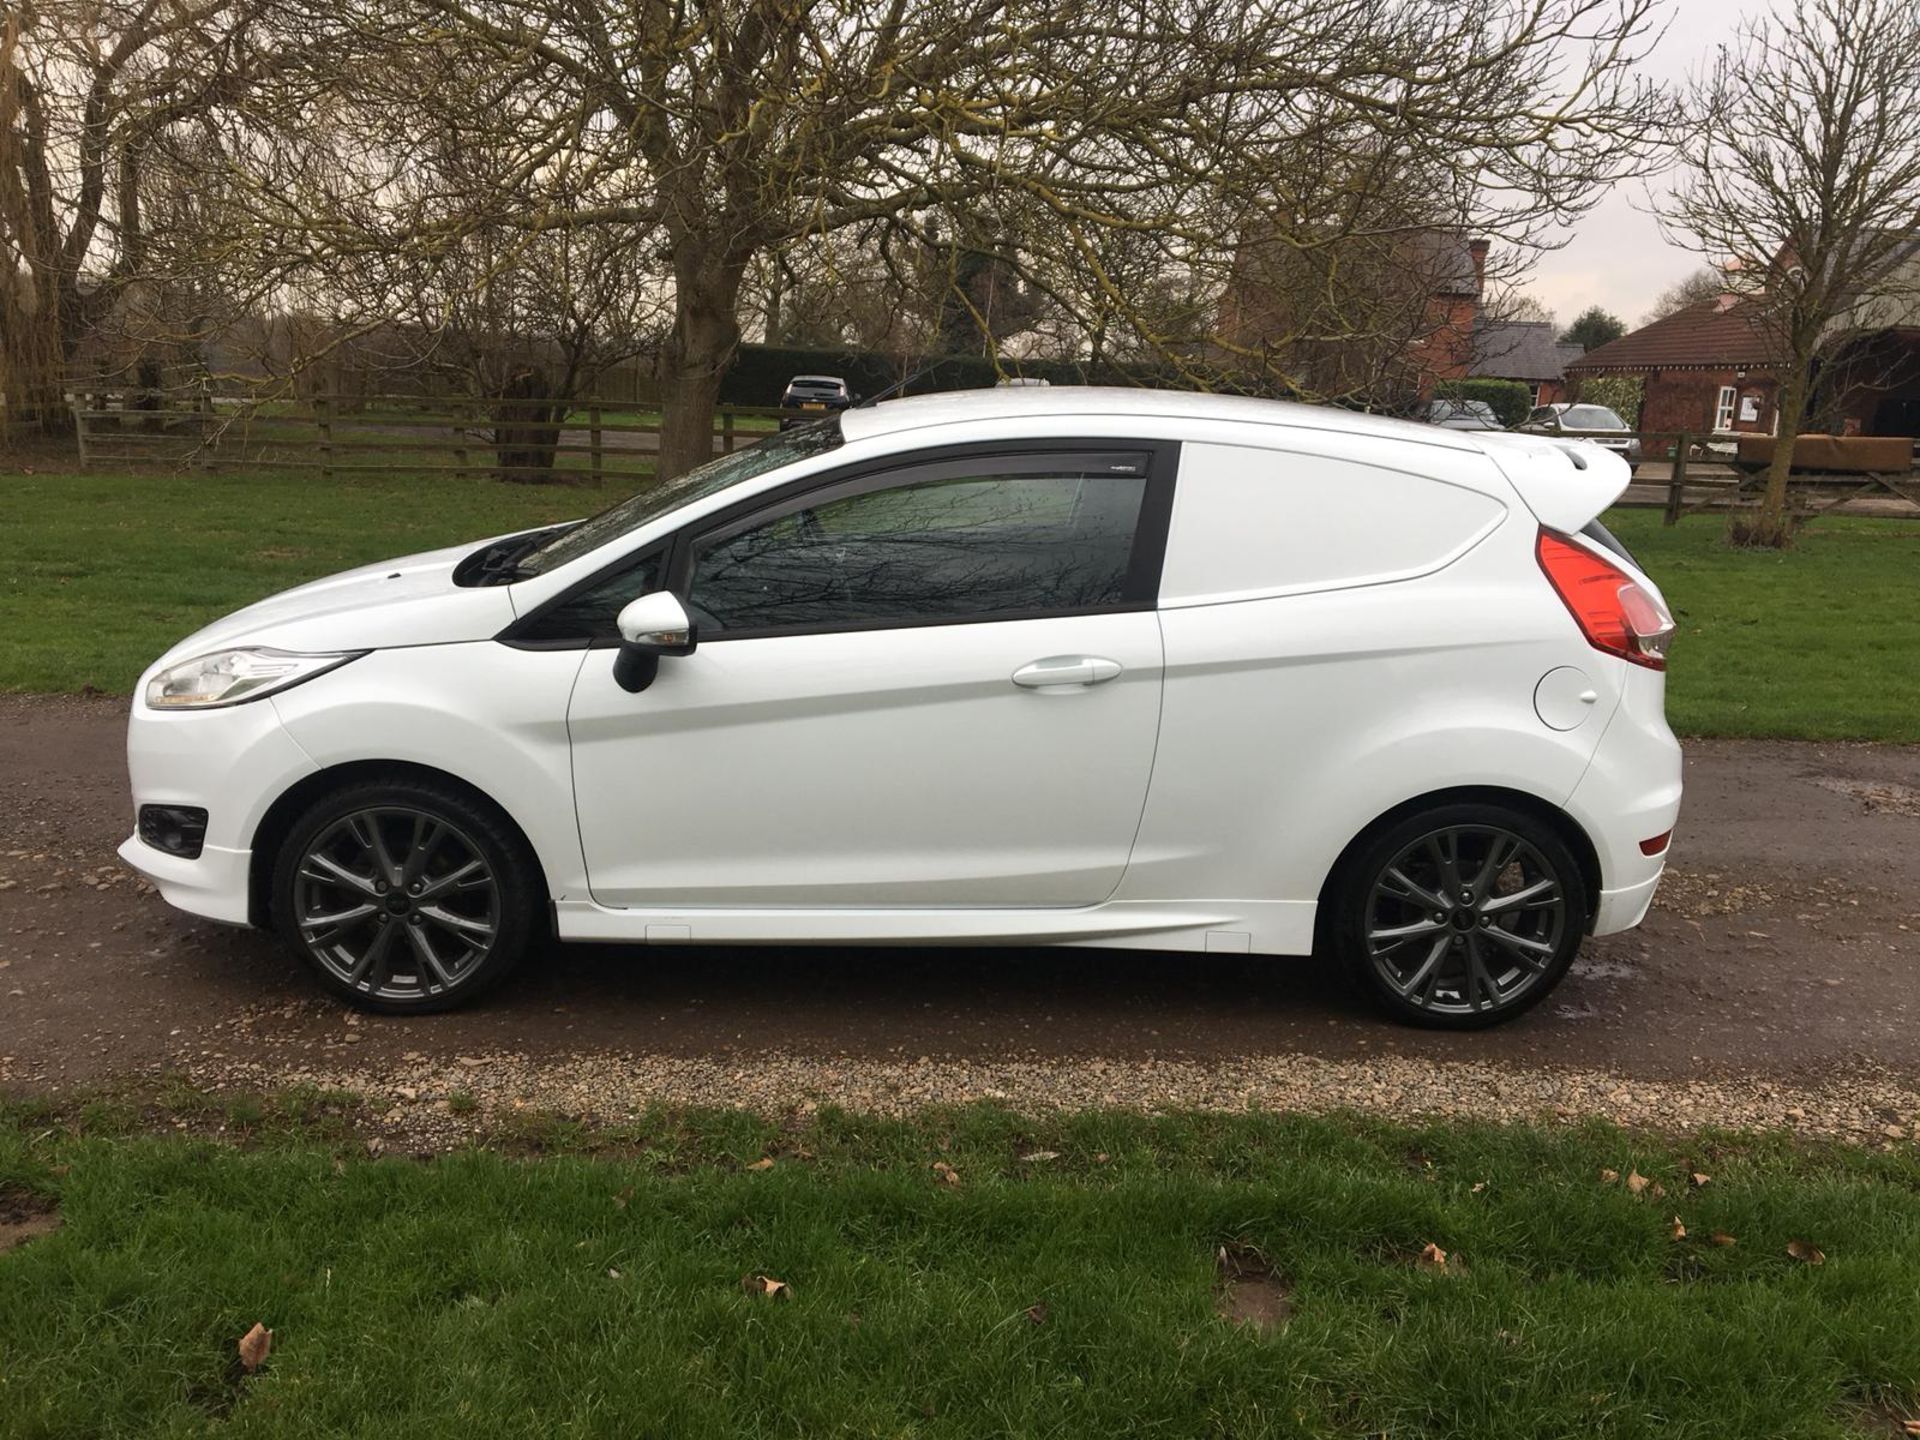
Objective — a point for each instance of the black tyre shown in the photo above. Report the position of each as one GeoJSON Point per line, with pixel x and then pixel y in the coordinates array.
{"type": "Point", "coordinates": [405, 896]}
{"type": "Point", "coordinates": [1461, 916]}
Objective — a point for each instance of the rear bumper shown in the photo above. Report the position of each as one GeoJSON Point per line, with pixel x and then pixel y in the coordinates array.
{"type": "Point", "coordinates": [1624, 908]}
{"type": "Point", "coordinates": [1630, 794]}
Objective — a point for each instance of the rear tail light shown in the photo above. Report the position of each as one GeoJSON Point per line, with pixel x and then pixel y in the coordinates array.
{"type": "Point", "coordinates": [1655, 845]}
{"type": "Point", "coordinates": [1615, 612]}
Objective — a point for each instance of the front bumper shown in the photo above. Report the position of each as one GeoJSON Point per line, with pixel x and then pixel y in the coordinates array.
{"type": "Point", "coordinates": [214, 885]}
{"type": "Point", "coordinates": [233, 763]}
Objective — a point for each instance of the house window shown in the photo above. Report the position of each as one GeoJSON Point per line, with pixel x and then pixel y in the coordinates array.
{"type": "Point", "coordinates": [1723, 409]}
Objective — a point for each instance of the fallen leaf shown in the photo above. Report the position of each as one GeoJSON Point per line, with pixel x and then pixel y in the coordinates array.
{"type": "Point", "coordinates": [612, 1273]}
{"type": "Point", "coordinates": [766, 1287]}
{"type": "Point", "coordinates": [1636, 1182]}
{"type": "Point", "coordinates": [765, 1162]}
{"type": "Point", "coordinates": [1432, 1257]}
{"type": "Point", "coordinates": [1037, 1313]}
{"type": "Point", "coordinates": [1609, 1177]}
{"type": "Point", "coordinates": [948, 1175]}
{"type": "Point", "coordinates": [1478, 1186]}
{"type": "Point", "coordinates": [1722, 1239]}
{"type": "Point", "coordinates": [1807, 1253]}
{"type": "Point", "coordinates": [1700, 1181]}
{"type": "Point", "coordinates": [620, 1200]}
{"type": "Point", "coordinates": [1679, 1231]}
{"type": "Point", "coordinates": [1033, 1156]}
{"type": "Point", "coordinates": [1657, 1190]}
{"type": "Point", "coordinates": [1101, 1158]}
{"type": "Point", "coordinates": [254, 1347]}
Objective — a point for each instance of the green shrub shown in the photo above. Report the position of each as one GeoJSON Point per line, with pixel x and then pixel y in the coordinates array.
{"type": "Point", "coordinates": [1510, 399]}
{"type": "Point", "coordinates": [1621, 394]}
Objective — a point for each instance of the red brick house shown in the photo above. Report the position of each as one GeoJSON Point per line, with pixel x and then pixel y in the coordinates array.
{"type": "Point", "coordinates": [1708, 369]}
{"type": "Point", "coordinates": [1454, 275]}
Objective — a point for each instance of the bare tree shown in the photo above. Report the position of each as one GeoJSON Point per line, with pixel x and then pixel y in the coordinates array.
{"type": "Point", "coordinates": [735, 130]}
{"type": "Point", "coordinates": [1803, 179]}
{"type": "Point", "coordinates": [98, 102]}
{"type": "Point", "coordinates": [1706, 283]}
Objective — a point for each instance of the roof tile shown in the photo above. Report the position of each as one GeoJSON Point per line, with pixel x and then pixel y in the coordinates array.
{"type": "Point", "coordinates": [1711, 334]}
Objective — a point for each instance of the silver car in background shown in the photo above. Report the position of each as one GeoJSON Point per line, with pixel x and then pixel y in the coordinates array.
{"type": "Point", "coordinates": [1592, 423]}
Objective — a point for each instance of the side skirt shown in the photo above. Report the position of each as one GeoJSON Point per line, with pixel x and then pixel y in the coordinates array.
{"type": "Point", "coordinates": [1265, 927]}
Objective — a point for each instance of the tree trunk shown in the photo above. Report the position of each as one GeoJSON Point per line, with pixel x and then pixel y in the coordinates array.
{"type": "Point", "coordinates": [526, 427]}
{"type": "Point", "coordinates": [706, 332]}
{"type": "Point", "coordinates": [1770, 527]}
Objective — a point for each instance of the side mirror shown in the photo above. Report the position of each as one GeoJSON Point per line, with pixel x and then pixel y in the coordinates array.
{"type": "Point", "coordinates": [652, 626]}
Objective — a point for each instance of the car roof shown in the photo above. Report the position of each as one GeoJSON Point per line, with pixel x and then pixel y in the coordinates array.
{"type": "Point", "coordinates": [818, 379]}
{"type": "Point", "coordinates": [1069, 402]}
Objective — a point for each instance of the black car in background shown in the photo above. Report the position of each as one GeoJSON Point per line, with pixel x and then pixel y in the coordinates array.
{"type": "Point", "coordinates": [812, 396]}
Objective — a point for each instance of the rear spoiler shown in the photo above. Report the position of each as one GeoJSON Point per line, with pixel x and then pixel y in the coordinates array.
{"type": "Point", "coordinates": [1566, 483]}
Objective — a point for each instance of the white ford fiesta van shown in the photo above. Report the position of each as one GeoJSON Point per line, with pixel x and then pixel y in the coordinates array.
{"type": "Point", "coordinates": [1028, 666]}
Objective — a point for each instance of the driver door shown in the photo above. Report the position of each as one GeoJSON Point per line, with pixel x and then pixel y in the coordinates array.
{"type": "Point", "coordinates": [937, 685]}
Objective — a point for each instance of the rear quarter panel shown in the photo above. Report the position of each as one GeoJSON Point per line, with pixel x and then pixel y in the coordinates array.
{"type": "Point", "coordinates": [1292, 721]}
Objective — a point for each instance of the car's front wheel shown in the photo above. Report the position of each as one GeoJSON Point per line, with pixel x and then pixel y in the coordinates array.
{"type": "Point", "coordinates": [405, 896]}
{"type": "Point", "coordinates": [1460, 916]}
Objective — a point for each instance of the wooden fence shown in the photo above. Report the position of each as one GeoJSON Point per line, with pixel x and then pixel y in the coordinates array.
{"type": "Point", "coordinates": [1681, 474]}
{"type": "Point", "coordinates": [386, 435]}
{"type": "Point", "coordinates": [1689, 474]}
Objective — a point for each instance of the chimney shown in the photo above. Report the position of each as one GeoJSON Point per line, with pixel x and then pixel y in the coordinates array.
{"type": "Point", "coordinates": [1478, 250]}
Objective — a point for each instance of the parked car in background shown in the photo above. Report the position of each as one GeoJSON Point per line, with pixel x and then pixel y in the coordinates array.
{"type": "Point", "coordinates": [1021, 382]}
{"type": "Point", "coordinates": [1070, 666]}
{"type": "Point", "coordinates": [1586, 422]}
{"type": "Point", "coordinates": [812, 396]}
{"type": "Point", "coordinates": [1462, 415]}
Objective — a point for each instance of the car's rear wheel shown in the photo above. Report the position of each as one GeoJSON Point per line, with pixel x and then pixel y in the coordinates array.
{"type": "Point", "coordinates": [405, 896]}
{"type": "Point", "coordinates": [1460, 916]}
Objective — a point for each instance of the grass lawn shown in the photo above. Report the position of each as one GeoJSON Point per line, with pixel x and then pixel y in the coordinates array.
{"type": "Point", "coordinates": [585, 1294]}
{"type": "Point", "coordinates": [1821, 641]}
{"type": "Point", "coordinates": [105, 571]}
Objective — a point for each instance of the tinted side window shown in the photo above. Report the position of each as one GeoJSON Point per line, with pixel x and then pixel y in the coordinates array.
{"type": "Point", "coordinates": [590, 613]}
{"type": "Point", "coordinates": [961, 548]}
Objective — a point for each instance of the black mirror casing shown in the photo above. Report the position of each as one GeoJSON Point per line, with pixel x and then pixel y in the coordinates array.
{"type": "Point", "coordinates": [635, 668]}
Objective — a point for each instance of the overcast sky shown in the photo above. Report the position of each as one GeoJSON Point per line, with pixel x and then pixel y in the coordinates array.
{"type": "Point", "coordinates": [1616, 256]}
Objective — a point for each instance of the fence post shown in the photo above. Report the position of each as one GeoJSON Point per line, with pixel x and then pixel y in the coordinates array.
{"type": "Point", "coordinates": [593, 439]}
{"type": "Point", "coordinates": [726, 430]}
{"type": "Point", "coordinates": [323, 417]}
{"type": "Point", "coordinates": [79, 426]}
{"type": "Point", "coordinates": [1677, 484]}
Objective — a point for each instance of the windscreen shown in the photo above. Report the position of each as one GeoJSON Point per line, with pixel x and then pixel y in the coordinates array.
{"type": "Point", "coordinates": [1590, 417]}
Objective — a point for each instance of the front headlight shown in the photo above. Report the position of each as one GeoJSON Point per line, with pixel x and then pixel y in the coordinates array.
{"type": "Point", "coordinates": [232, 677]}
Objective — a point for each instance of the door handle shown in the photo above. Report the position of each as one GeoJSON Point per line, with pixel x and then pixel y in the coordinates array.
{"type": "Point", "coordinates": [1063, 670]}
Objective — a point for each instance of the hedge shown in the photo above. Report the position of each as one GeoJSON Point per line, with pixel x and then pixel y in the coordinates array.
{"type": "Point", "coordinates": [1511, 400]}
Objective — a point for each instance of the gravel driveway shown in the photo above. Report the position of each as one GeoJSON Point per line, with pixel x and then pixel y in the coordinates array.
{"type": "Point", "coordinates": [1777, 982]}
